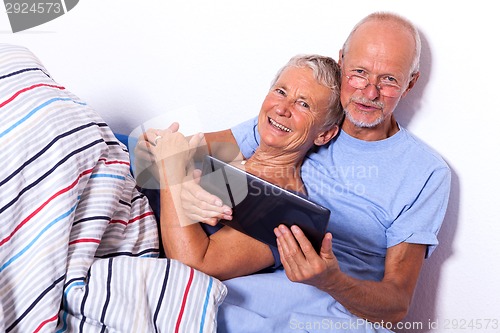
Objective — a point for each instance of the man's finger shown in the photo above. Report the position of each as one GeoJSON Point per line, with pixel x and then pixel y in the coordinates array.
{"type": "Point", "coordinates": [304, 243]}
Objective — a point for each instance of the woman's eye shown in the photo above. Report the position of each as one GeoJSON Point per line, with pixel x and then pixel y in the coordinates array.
{"type": "Point", "coordinates": [303, 104]}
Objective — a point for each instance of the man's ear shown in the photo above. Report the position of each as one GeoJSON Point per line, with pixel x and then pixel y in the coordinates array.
{"type": "Point", "coordinates": [412, 82]}
{"type": "Point", "coordinates": [325, 137]}
{"type": "Point", "coordinates": [341, 57]}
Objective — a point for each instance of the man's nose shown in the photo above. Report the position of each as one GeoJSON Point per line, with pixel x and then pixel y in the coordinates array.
{"type": "Point", "coordinates": [371, 91]}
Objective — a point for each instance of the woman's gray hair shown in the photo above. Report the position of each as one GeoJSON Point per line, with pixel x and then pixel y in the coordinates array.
{"type": "Point", "coordinates": [399, 20]}
{"type": "Point", "coordinates": [326, 72]}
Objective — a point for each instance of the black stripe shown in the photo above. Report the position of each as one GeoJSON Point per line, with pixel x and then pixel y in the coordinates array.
{"type": "Point", "coordinates": [38, 299]}
{"type": "Point", "coordinates": [125, 203]}
{"type": "Point", "coordinates": [140, 196]}
{"type": "Point", "coordinates": [69, 282]}
{"type": "Point", "coordinates": [92, 218]}
{"type": "Point", "coordinates": [116, 143]}
{"type": "Point", "coordinates": [108, 294]}
{"type": "Point", "coordinates": [44, 150]}
{"type": "Point", "coordinates": [22, 71]}
{"type": "Point", "coordinates": [162, 295]}
{"type": "Point", "coordinates": [84, 300]}
{"type": "Point", "coordinates": [45, 175]}
{"type": "Point", "coordinates": [128, 254]}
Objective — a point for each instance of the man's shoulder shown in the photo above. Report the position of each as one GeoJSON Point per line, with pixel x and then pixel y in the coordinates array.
{"type": "Point", "coordinates": [422, 150]}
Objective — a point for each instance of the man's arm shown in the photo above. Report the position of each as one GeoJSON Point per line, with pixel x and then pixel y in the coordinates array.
{"type": "Point", "coordinates": [387, 300]}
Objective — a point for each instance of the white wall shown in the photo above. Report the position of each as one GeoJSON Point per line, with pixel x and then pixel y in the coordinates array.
{"type": "Point", "coordinates": [213, 60]}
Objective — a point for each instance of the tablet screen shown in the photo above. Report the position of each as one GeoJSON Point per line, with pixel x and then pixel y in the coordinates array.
{"type": "Point", "coordinates": [259, 206]}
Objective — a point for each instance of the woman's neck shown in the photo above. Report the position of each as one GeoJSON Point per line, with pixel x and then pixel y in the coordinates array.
{"type": "Point", "coordinates": [282, 169]}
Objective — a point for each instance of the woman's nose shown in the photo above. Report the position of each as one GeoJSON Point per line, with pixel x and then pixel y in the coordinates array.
{"type": "Point", "coordinates": [283, 109]}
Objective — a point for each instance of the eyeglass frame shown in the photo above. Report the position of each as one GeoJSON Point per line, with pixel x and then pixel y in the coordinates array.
{"type": "Point", "coordinates": [379, 85]}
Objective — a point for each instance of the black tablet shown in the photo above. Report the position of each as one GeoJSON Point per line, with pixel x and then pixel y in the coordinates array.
{"type": "Point", "coordinates": [259, 206]}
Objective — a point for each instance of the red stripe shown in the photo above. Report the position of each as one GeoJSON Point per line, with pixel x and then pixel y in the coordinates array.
{"type": "Point", "coordinates": [184, 299]}
{"type": "Point", "coordinates": [29, 88]}
{"type": "Point", "coordinates": [44, 323]}
{"type": "Point", "coordinates": [29, 217]}
{"type": "Point", "coordinates": [132, 220]}
{"type": "Point", "coordinates": [118, 221]}
{"type": "Point", "coordinates": [113, 162]}
{"type": "Point", "coordinates": [85, 240]}
{"type": "Point", "coordinates": [140, 217]}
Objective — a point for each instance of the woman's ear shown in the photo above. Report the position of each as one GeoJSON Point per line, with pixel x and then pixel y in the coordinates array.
{"type": "Point", "coordinates": [325, 137]}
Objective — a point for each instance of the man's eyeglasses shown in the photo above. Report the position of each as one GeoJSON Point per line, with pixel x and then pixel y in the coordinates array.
{"type": "Point", "coordinates": [385, 86]}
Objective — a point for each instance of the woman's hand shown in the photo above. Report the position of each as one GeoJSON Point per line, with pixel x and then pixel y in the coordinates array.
{"type": "Point", "coordinates": [167, 153]}
{"type": "Point", "coordinates": [200, 205]}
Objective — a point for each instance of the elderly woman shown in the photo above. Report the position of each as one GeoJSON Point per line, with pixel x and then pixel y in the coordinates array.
{"type": "Point", "coordinates": [301, 110]}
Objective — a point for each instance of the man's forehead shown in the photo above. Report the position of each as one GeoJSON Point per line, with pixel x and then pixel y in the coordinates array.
{"type": "Point", "coordinates": [383, 49]}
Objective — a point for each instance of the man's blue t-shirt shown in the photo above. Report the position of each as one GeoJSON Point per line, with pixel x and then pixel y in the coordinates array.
{"type": "Point", "coordinates": [380, 193]}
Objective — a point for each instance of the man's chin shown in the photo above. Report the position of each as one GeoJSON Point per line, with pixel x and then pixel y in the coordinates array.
{"type": "Point", "coordinates": [363, 123]}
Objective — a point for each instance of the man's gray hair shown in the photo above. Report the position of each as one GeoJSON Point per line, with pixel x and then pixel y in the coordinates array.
{"type": "Point", "coordinates": [399, 20]}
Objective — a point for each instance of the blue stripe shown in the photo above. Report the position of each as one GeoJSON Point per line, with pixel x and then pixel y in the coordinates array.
{"type": "Point", "coordinates": [150, 256]}
{"type": "Point", "coordinates": [107, 175]}
{"type": "Point", "coordinates": [74, 285]}
{"type": "Point", "coordinates": [35, 110]}
{"type": "Point", "coordinates": [14, 258]}
{"type": "Point", "coordinates": [205, 305]}
{"type": "Point", "coordinates": [65, 303]}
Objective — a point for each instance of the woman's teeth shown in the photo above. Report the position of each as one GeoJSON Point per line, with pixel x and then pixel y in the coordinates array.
{"type": "Point", "coordinates": [279, 126]}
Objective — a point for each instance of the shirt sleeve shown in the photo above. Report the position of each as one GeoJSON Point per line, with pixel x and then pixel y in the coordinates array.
{"type": "Point", "coordinates": [247, 136]}
{"type": "Point", "coordinates": [420, 223]}
{"type": "Point", "coordinates": [276, 256]}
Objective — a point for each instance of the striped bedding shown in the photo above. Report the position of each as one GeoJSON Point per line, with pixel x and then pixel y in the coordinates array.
{"type": "Point", "coordinates": [78, 241]}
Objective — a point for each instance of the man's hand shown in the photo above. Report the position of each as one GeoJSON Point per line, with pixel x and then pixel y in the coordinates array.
{"type": "Point", "coordinates": [387, 300]}
{"type": "Point", "coordinates": [300, 260]}
{"type": "Point", "coordinates": [200, 205]}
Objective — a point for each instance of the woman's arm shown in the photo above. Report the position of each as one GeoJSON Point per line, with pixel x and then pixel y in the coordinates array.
{"type": "Point", "coordinates": [224, 254]}
{"type": "Point", "coordinates": [221, 144]}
